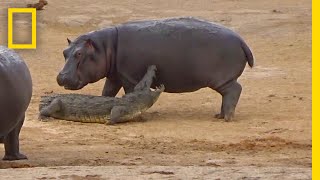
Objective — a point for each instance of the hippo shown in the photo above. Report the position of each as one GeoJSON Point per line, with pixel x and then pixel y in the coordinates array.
{"type": "Point", "coordinates": [15, 96]}
{"type": "Point", "coordinates": [190, 54]}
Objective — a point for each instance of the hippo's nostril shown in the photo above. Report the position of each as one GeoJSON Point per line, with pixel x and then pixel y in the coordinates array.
{"type": "Point", "coordinates": [62, 73]}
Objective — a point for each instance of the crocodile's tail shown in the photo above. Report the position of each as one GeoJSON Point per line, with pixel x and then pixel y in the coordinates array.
{"type": "Point", "coordinates": [248, 53]}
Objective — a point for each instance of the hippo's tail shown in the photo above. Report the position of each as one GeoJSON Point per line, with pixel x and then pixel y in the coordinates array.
{"type": "Point", "coordinates": [248, 53]}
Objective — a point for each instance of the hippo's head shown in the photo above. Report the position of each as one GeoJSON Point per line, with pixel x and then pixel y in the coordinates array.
{"type": "Point", "coordinates": [85, 63]}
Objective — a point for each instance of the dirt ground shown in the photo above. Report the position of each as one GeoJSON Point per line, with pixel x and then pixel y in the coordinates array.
{"type": "Point", "coordinates": [272, 126]}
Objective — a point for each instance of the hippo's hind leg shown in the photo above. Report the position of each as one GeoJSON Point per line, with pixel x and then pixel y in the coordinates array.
{"type": "Point", "coordinates": [230, 96]}
{"type": "Point", "coordinates": [11, 144]}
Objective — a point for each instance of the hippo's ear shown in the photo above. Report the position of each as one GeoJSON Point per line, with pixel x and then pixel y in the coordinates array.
{"type": "Point", "coordinates": [90, 44]}
{"type": "Point", "coordinates": [69, 41]}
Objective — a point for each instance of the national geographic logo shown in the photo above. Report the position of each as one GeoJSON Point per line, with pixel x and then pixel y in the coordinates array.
{"type": "Point", "coordinates": [33, 12]}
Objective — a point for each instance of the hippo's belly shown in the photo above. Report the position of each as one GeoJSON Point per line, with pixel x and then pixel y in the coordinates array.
{"type": "Point", "coordinates": [15, 89]}
{"type": "Point", "coordinates": [188, 56]}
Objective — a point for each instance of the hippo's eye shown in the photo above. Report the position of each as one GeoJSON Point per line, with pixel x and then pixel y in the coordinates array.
{"type": "Point", "coordinates": [78, 54]}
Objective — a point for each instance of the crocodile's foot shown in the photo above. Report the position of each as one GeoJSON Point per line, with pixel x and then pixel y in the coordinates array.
{"type": "Point", "coordinates": [159, 88]}
{"type": "Point", "coordinates": [140, 119]}
{"type": "Point", "coordinates": [109, 123]}
{"type": "Point", "coordinates": [137, 119]}
{"type": "Point", "coordinates": [44, 118]}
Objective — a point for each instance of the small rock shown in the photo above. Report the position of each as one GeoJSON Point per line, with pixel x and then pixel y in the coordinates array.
{"type": "Point", "coordinates": [48, 92]}
{"type": "Point", "coordinates": [214, 163]}
{"type": "Point", "coordinates": [276, 11]}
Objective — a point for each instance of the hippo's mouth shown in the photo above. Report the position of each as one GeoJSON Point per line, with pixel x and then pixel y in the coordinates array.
{"type": "Point", "coordinates": [77, 87]}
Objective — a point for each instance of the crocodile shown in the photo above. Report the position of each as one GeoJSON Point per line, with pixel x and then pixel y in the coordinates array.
{"type": "Point", "coordinates": [100, 109]}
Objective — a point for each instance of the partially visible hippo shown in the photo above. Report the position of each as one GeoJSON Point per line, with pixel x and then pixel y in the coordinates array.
{"type": "Point", "coordinates": [189, 53]}
{"type": "Point", "coordinates": [15, 96]}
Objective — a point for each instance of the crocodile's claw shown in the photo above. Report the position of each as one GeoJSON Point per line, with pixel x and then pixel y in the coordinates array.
{"type": "Point", "coordinates": [160, 88]}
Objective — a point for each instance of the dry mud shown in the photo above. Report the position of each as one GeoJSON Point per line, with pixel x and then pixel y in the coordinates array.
{"type": "Point", "coordinates": [269, 139]}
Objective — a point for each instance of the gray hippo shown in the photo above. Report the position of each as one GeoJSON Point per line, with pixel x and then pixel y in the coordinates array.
{"type": "Point", "coordinates": [15, 96]}
{"type": "Point", "coordinates": [189, 53]}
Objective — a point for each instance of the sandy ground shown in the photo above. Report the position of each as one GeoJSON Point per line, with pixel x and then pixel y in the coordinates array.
{"type": "Point", "coordinates": [271, 133]}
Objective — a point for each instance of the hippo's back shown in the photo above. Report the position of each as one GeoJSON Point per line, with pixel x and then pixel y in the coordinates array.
{"type": "Point", "coordinates": [15, 88]}
{"type": "Point", "coordinates": [166, 26]}
{"type": "Point", "coordinates": [190, 53]}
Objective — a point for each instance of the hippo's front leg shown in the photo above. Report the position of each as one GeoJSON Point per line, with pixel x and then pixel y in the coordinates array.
{"type": "Point", "coordinates": [111, 87]}
{"type": "Point", "coordinates": [11, 144]}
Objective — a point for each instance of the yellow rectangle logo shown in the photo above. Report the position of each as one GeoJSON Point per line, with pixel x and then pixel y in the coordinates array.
{"type": "Point", "coordinates": [33, 12]}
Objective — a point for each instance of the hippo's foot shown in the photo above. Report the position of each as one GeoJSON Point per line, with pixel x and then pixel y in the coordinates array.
{"type": "Point", "coordinates": [230, 95]}
{"type": "Point", "coordinates": [227, 118]}
{"type": "Point", "coordinates": [13, 157]}
{"type": "Point", "coordinates": [219, 116]}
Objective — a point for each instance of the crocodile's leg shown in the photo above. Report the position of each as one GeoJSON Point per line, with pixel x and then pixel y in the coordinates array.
{"type": "Point", "coordinates": [147, 79]}
{"type": "Point", "coordinates": [52, 108]}
{"type": "Point", "coordinates": [120, 114]}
